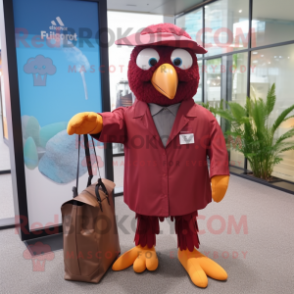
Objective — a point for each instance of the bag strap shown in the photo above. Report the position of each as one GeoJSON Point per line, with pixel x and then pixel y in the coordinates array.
{"type": "Point", "coordinates": [99, 183]}
{"type": "Point", "coordinates": [90, 172]}
{"type": "Point", "coordinates": [75, 189]}
{"type": "Point", "coordinates": [88, 159]}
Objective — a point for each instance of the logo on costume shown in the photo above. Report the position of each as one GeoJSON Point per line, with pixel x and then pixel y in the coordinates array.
{"type": "Point", "coordinates": [58, 31]}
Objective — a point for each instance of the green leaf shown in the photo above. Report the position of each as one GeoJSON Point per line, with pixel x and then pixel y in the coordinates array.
{"type": "Point", "coordinates": [237, 110]}
{"type": "Point", "coordinates": [287, 149]}
{"type": "Point", "coordinates": [281, 118]}
{"type": "Point", "coordinates": [225, 114]}
{"type": "Point", "coordinates": [285, 136]}
{"type": "Point", "coordinates": [292, 116]}
{"type": "Point", "coordinates": [277, 160]}
{"type": "Point", "coordinates": [258, 113]}
{"type": "Point", "coordinates": [271, 99]}
{"type": "Point", "coordinates": [247, 130]}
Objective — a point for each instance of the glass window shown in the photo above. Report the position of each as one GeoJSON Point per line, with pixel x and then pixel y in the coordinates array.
{"type": "Point", "coordinates": [120, 24]}
{"type": "Point", "coordinates": [192, 23]}
{"type": "Point", "coordinates": [276, 65]}
{"type": "Point", "coordinates": [212, 89]}
{"type": "Point", "coordinates": [117, 148]}
{"type": "Point", "coordinates": [226, 26]}
{"type": "Point", "coordinates": [212, 72]}
{"type": "Point", "coordinates": [226, 79]}
{"type": "Point", "coordinates": [234, 81]}
{"type": "Point", "coordinates": [198, 96]}
{"type": "Point", "coordinates": [237, 70]}
{"type": "Point", "coordinates": [118, 173]}
{"type": "Point", "coordinates": [272, 23]}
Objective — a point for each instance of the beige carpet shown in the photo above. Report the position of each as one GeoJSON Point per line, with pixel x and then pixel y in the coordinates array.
{"type": "Point", "coordinates": [263, 263]}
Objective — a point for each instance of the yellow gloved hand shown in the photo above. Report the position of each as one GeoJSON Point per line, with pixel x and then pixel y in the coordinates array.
{"type": "Point", "coordinates": [85, 123]}
{"type": "Point", "coordinates": [219, 186]}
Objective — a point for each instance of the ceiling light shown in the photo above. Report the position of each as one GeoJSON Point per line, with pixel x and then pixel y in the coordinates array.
{"type": "Point", "coordinates": [240, 10]}
{"type": "Point", "coordinates": [255, 52]}
{"type": "Point", "coordinates": [280, 56]}
{"type": "Point", "coordinates": [262, 55]}
{"type": "Point", "coordinates": [269, 62]}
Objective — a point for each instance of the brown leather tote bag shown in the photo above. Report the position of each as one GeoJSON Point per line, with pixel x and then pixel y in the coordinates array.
{"type": "Point", "coordinates": [90, 239]}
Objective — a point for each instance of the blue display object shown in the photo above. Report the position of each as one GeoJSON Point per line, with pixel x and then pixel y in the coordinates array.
{"type": "Point", "coordinates": [58, 63]}
{"type": "Point", "coordinates": [57, 163]}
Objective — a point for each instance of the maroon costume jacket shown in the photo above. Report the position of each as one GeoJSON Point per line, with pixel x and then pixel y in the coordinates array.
{"type": "Point", "coordinates": [167, 181]}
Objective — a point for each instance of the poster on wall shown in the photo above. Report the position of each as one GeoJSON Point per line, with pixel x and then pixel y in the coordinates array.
{"type": "Point", "coordinates": [58, 64]}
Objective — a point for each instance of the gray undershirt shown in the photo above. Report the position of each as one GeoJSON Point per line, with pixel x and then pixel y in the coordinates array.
{"type": "Point", "coordinates": [164, 118]}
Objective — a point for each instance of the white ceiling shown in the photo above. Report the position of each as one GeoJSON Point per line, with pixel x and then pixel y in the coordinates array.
{"type": "Point", "coordinates": [279, 10]}
{"type": "Point", "coordinates": [273, 9]}
{"type": "Point", "coordinates": [165, 7]}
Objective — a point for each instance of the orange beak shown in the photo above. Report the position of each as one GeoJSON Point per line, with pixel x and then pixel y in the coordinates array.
{"type": "Point", "coordinates": [165, 80]}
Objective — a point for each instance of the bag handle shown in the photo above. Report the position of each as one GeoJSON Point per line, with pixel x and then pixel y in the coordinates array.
{"type": "Point", "coordinates": [75, 189]}
{"type": "Point", "coordinates": [90, 172]}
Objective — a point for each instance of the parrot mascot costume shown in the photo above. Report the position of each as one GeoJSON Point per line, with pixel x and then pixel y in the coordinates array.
{"type": "Point", "coordinates": [167, 139]}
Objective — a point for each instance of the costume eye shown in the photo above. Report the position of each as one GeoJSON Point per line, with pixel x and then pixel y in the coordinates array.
{"type": "Point", "coordinates": [147, 58]}
{"type": "Point", "coordinates": [181, 58]}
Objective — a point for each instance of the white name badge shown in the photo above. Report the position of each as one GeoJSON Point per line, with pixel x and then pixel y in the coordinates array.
{"type": "Point", "coordinates": [186, 139]}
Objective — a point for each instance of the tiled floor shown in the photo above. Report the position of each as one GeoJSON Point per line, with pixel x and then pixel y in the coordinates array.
{"type": "Point", "coordinates": [258, 254]}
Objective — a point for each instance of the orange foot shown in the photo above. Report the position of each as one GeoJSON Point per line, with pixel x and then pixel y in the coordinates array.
{"type": "Point", "coordinates": [140, 257]}
{"type": "Point", "coordinates": [198, 266]}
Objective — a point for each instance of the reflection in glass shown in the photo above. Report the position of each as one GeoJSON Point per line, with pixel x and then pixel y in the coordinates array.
{"type": "Point", "coordinates": [212, 83]}
{"type": "Point", "coordinates": [198, 96]}
{"type": "Point", "coordinates": [119, 56]}
{"type": "Point", "coordinates": [272, 23]}
{"type": "Point", "coordinates": [117, 148]}
{"type": "Point", "coordinates": [237, 71]}
{"type": "Point", "coordinates": [212, 72]}
{"type": "Point", "coordinates": [226, 80]}
{"type": "Point", "coordinates": [118, 173]}
{"type": "Point", "coordinates": [276, 65]}
{"type": "Point", "coordinates": [236, 77]}
{"type": "Point", "coordinates": [192, 24]}
{"type": "Point", "coordinates": [226, 26]}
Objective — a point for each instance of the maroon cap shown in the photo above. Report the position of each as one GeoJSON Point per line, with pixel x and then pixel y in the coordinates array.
{"type": "Point", "coordinates": [165, 34]}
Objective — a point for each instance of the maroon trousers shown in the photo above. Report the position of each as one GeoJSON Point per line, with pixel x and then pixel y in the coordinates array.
{"type": "Point", "coordinates": [186, 229]}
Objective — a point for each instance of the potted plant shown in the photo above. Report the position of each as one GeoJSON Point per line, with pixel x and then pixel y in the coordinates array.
{"type": "Point", "coordinates": [252, 134]}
